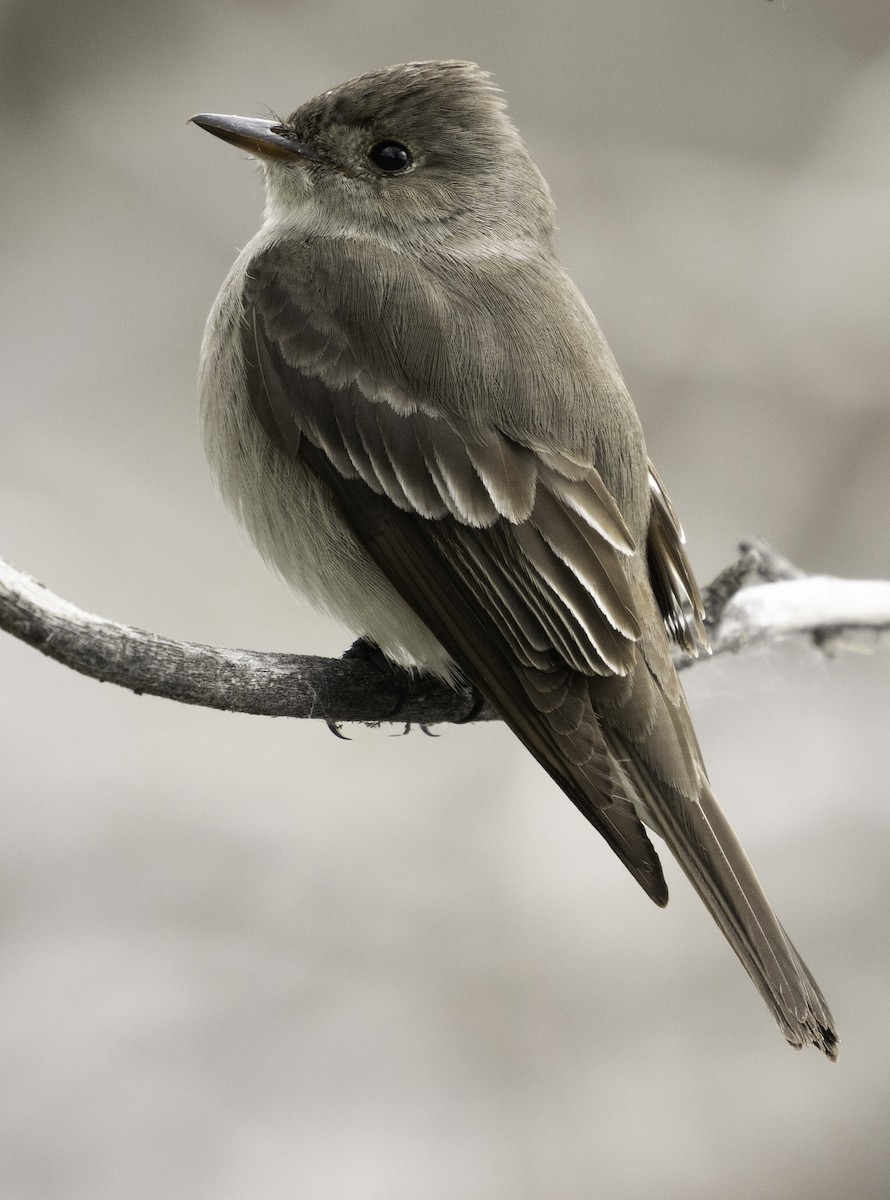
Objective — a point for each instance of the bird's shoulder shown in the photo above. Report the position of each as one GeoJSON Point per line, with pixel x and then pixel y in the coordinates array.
{"type": "Point", "coordinates": [479, 297]}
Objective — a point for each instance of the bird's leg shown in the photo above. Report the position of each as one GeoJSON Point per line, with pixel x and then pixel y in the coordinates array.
{"type": "Point", "coordinates": [364, 650]}
{"type": "Point", "coordinates": [411, 685]}
{"type": "Point", "coordinates": [367, 651]}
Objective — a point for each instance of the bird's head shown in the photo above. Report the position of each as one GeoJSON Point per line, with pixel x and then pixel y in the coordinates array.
{"type": "Point", "coordinates": [422, 150]}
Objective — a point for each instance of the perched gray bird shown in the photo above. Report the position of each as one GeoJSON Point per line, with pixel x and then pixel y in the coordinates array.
{"type": "Point", "coordinates": [411, 408]}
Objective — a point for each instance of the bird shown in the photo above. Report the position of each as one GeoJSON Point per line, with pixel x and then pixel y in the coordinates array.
{"type": "Point", "coordinates": [409, 405]}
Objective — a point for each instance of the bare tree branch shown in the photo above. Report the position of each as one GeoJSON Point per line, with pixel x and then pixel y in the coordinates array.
{"type": "Point", "coordinates": [759, 598]}
{"type": "Point", "coordinates": [762, 597]}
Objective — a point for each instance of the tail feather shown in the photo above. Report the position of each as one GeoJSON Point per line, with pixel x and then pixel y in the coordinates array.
{"type": "Point", "coordinates": [726, 882]}
{"type": "Point", "coordinates": [711, 856]}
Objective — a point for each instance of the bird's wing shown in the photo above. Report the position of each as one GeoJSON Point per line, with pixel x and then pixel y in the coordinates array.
{"type": "Point", "coordinates": [514, 559]}
{"type": "Point", "coordinates": [673, 581]}
{"type": "Point", "coordinates": [520, 563]}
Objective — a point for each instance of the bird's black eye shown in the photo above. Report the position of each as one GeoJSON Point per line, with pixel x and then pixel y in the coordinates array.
{"type": "Point", "coordinates": [390, 156]}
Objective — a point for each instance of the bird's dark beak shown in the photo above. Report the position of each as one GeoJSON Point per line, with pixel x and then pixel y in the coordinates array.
{"type": "Point", "coordinates": [265, 139]}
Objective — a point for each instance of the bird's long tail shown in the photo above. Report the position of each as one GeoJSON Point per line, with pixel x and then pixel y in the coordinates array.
{"type": "Point", "coordinates": [704, 844]}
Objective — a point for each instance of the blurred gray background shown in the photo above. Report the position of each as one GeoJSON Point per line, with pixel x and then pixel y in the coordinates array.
{"type": "Point", "coordinates": [241, 959]}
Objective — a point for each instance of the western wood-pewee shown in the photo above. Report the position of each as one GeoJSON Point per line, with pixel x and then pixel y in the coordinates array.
{"type": "Point", "coordinates": [413, 411]}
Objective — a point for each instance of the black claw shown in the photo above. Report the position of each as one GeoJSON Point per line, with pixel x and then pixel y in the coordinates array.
{"type": "Point", "coordinates": [476, 708]}
{"type": "Point", "coordinates": [334, 727]}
